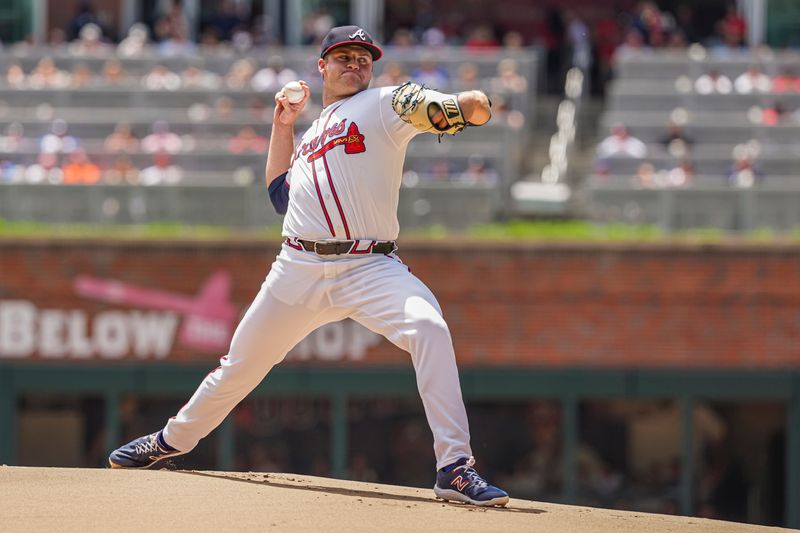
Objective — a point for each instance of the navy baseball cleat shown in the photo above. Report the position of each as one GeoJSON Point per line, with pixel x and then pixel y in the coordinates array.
{"type": "Point", "coordinates": [143, 452]}
{"type": "Point", "coordinates": [460, 482]}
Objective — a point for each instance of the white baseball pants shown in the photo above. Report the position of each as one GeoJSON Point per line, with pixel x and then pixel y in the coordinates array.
{"type": "Point", "coordinates": [304, 291]}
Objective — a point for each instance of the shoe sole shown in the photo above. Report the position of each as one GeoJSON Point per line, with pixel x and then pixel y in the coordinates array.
{"type": "Point", "coordinates": [453, 495]}
{"type": "Point", "coordinates": [112, 464]}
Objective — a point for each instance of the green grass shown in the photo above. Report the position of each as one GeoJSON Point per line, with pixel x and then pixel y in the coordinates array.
{"type": "Point", "coordinates": [155, 231]}
{"type": "Point", "coordinates": [565, 231]}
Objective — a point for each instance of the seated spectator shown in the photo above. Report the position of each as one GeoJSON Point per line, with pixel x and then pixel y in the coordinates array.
{"type": "Point", "coordinates": [433, 37]}
{"type": "Point", "coordinates": [621, 144]}
{"type": "Point", "coordinates": [161, 172]}
{"type": "Point", "coordinates": [172, 31]}
{"type": "Point", "coordinates": [632, 46]}
{"type": "Point", "coordinates": [676, 142]}
{"type": "Point", "coordinates": [194, 77]}
{"type": "Point", "coordinates": [403, 38]}
{"type": "Point", "coordinates": [734, 27]}
{"type": "Point", "coordinates": [223, 108]}
{"type": "Point", "coordinates": [121, 140]}
{"type": "Point", "coordinates": [84, 16]}
{"type": "Point", "coordinates": [439, 170]}
{"type": "Point", "coordinates": [774, 115]}
{"type": "Point", "coordinates": [113, 73]}
{"type": "Point", "coordinates": [134, 43]}
{"type": "Point", "coordinates": [161, 140]}
{"type": "Point", "coordinates": [508, 77]}
{"type": "Point", "coordinates": [393, 74]}
{"type": "Point", "coordinates": [160, 78]}
{"type": "Point", "coordinates": [80, 170]}
{"type": "Point", "coordinates": [481, 38]}
{"type": "Point", "coordinates": [467, 77]}
{"type": "Point", "coordinates": [248, 141]}
{"type": "Point", "coordinates": [431, 74]}
{"type": "Point", "coordinates": [272, 77]}
{"type": "Point", "coordinates": [47, 76]}
{"type": "Point", "coordinates": [11, 172]}
{"type": "Point", "coordinates": [677, 41]}
{"type": "Point", "coordinates": [681, 175]}
{"type": "Point", "coordinates": [645, 177]}
{"type": "Point", "coordinates": [45, 170]}
{"type": "Point", "coordinates": [121, 172]}
{"type": "Point", "coordinates": [651, 23]}
{"type": "Point", "coordinates": [15, 76]}
{"type": "Point", "coordinates": [240, 74]}
{"type": "Point", "coordinates": [89, 42]}
{"type": "Point", "coordinates": [81, 76]}
{"type": "Point", "coordinates": [753, 81]}
{"type": "Point", "coordinates": [57, 40]}
{"type": "Point", "coordinates": [713, 82]}
{"type": "Point", "coordinates": [479, 172]}
{"type": "Point", "coordinates": [513, 40]}
{"type": "Point", "coordinates": [743, 172]}
{"type": "Point", "coordinates": [786, 82]}
{"type": "Point", "coordinates": [57, 141]}
{"type": "Point", "coordinates": [13, 140]}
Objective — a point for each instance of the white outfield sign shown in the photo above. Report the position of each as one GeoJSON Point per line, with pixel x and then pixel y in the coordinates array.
{"type": "Point", "coordinates": [26, 330]}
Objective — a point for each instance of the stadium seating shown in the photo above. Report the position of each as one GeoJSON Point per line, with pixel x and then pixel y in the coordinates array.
{"type": "Point", "coordinates": [655, 87]}
{"type": "Point", "coordinates": [207, 119]}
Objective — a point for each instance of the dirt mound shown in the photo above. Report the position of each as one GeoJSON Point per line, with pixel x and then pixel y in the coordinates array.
{"type": "Point", "coordinates": [87, 500]}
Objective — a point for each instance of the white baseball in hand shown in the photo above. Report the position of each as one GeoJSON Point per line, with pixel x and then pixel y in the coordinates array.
{"type": "Point", "coordinates": [294, 92]}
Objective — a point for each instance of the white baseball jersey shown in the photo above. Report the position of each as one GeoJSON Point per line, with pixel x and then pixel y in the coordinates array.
{"type": "Point", "coordinates": [344, 184]}
{"type": "Point", "coordinates": [344, 178]}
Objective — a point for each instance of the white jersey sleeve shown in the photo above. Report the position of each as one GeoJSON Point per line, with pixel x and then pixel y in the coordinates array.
{"type": "Point", "coordinates": [399, 131]}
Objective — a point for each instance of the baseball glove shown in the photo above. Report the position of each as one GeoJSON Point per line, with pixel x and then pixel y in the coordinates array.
{"type": "Point", "coordinates": [417, 105]}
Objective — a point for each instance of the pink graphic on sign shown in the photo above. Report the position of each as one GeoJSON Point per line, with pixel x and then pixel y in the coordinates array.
{"type": "Point", "coordinates": [208, 317]}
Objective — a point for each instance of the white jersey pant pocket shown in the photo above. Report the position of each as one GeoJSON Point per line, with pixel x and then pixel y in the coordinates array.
{"type": "Point", "coordinates": [269, 329]}
{"type": "Point", "coordinates": [392, 302]}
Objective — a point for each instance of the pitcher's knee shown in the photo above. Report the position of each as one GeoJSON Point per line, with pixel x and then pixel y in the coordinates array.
{"type": "Point", "coordinates": [432, 330]}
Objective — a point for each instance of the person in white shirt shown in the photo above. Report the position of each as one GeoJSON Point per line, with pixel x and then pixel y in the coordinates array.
{"type": "Point", "coordinates": [713, 82]}
{"type": "Point", "coordinates": [621, 144]}
{"type": "Point", "coordinates": [753, 81]}
{"type": "Point", "coordinates": [339, 187]}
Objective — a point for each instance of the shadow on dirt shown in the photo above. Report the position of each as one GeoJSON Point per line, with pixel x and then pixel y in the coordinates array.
{"type": "Point", "coordinates": [268, 479]}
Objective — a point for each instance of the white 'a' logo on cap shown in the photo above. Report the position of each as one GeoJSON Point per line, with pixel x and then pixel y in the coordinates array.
{"type": "Point", "coordinates": [359, 34]}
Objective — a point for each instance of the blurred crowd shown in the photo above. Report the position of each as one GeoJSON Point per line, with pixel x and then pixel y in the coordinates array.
{"type": "Point", "coordinates": [64, 159]}
{"type": "Point", "coordinates": [676, 144]}
{"type": "Point", "coordinates": [592, 39]}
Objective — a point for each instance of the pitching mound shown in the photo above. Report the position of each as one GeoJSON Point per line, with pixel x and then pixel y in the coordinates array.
{"type": "Point", "coordinates": [65, 499]}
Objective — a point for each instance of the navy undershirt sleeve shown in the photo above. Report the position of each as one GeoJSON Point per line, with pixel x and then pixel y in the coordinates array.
{"type": "Point", "coordinates": [279, 194]}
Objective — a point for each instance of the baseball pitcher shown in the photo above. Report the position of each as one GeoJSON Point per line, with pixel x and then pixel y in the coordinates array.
{"type": "Point", "coordinates": [339, 188]}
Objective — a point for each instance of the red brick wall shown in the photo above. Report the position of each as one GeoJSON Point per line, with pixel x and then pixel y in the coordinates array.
{"type": "Point", "coordinates": [550, 305]}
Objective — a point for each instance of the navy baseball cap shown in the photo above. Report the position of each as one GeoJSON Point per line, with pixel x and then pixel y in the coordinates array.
{"type": "Point", "coordinates": [344, 35]}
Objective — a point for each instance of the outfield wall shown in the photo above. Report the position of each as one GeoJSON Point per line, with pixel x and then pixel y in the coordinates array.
{"type": "Point", "coordinates": [550, 305]}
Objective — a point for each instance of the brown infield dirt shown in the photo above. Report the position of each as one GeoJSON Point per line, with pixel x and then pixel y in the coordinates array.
{"type": "Point", "coordinates": [105, 500]}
